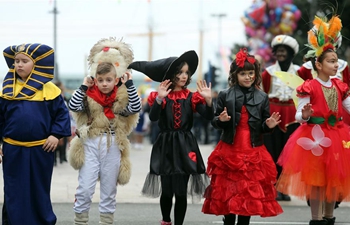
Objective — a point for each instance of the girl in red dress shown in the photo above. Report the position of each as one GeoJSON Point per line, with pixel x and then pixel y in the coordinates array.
{"type": "Point", "coordinates": [242, 171]}
{"type": "Point", "coordinates": [315, 159]}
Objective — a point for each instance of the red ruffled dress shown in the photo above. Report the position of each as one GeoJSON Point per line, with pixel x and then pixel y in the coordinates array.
{"type": "Point", "coordinates": [242, 177]}
{"type": "Point", "coordinates": [317, 154]}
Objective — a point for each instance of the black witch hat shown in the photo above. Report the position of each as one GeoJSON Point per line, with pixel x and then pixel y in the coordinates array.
{"type": "Point", "coordinates": [163, 69]}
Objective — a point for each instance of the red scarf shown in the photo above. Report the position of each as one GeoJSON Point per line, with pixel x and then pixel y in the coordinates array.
{"type": "Point", "coordinates": [106, 101]}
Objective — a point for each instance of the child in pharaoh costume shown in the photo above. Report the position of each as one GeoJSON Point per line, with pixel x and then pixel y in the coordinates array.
{"type": "Point", "coordinates": [30, 102]}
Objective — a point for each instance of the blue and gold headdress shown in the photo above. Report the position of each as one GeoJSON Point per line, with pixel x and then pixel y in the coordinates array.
{"type": "Point", "coordinates": [43, 70]}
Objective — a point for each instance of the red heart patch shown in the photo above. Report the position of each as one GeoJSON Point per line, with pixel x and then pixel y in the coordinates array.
{"type": "Point", "coordinates": [192, 156]}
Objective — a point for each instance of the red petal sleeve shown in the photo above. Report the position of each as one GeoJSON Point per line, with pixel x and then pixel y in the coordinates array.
{"type": "Point", "coordinates": [197, 99]}
{"type": "Point", "coordinates": [346, 75]}
{"type": "Point", "coordinates": [305, 89]}
{"type": "Point", "coordinates": [343, 88]}
{"type": "Point", "coordinates": [304, 73]}
{"type": "Point", "coordinates": [152, 97]}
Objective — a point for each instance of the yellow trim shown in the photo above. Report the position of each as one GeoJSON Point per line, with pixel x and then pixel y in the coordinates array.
{"type": "Point", "coordinates": [36, 80]}
{"type": "Point", "coordinates": [9, 56]}
{"type": "Point", "coordinates": [24, 144]}
{"type": "Point", "coordinates": [44, 55]}
{"type": "Point", "coordinates": [36, 48]}
{"type": "Point", "coordinates": [49, 92]}
{"type": "Point", "coordinates": [30, 88]}
{"type": "Point", "coordinates": [48, 75]}
{"type": "Point", "coordinates": [45, 67]}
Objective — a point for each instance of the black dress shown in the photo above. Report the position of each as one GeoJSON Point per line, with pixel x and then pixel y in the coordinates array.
{"type": "Point", "coordinates": [176, 151]}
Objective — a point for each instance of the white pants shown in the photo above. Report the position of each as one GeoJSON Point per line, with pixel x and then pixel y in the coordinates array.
{"type": "Point", "coordinates": [102, 163]}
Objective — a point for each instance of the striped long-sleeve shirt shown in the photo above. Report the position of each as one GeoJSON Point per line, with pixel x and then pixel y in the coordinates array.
{"type": "Point", "coordinates": [134, 105]}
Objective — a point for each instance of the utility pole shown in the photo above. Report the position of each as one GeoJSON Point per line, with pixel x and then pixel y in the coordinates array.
{"type": "Point", "coordinates": [201, 32]}
{"type": "Point", "coordinates": [150, 33]}
{"type": "Point", "coordinates": [55, 12]}
{"type": "Point", "coordinates": [219, 16]}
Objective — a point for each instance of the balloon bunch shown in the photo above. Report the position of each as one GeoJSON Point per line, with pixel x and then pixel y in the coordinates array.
{"type": "Point", "coordinates": [265, 19]}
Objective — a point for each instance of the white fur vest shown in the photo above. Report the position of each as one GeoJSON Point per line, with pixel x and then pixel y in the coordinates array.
{"type": "Point", "coordinates": [122, 126]}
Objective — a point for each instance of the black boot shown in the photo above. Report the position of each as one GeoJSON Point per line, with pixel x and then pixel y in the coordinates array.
{"type": "Point", "coordinates": [229, 219]}
{"type": "Point", "coordinates": [286, 197]}
{"type": "Point", "coordinates": [279, 196]}
{"type": "Point", "coordinates": [330, 221]}
{"type": "Point", "coordinates": [318, 222]}
{"type": "Point", "coordinates": [243, 220]}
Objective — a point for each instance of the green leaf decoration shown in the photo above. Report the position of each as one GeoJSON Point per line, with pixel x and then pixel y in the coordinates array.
{"type": "Point", "coordinates": [320, 36]}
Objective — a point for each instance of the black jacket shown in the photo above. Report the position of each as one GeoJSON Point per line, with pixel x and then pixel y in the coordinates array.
{"type": "Point", "coordinates": [257, 104]}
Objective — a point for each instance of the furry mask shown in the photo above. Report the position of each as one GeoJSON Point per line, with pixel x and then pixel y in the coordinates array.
{"type": "Point", "coordinates": [111, 50]}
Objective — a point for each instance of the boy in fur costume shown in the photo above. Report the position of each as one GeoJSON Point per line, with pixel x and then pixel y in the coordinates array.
{"type": "Point", "coordinates": [106, 110]}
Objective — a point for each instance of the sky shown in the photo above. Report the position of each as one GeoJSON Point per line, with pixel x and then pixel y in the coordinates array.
{"type": "Point", "coordinates": [81, 23]}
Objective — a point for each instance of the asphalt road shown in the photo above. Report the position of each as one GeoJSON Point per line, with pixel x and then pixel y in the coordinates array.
{"type": "Point", "coordinates": [135, 209]}
{"type": "Point", "coordinates": [149, 214]}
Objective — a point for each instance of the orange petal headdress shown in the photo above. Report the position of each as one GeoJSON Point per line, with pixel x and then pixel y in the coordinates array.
{"type": "Point", "coordinates": [324, 35]}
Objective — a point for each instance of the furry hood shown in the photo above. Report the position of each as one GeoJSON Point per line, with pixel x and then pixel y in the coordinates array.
{"type": "Point", "coordinates": [111, 50]}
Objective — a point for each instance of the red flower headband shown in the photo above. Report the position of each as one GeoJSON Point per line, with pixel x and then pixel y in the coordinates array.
{"type": "Point", "coordinates": [242, 56]}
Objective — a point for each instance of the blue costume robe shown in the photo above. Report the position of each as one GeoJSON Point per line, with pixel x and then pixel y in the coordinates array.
{"type": "Point", "coordinates": [27, 168]}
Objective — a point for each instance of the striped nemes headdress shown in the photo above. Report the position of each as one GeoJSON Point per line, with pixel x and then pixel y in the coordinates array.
{"type": "Point", "coordinates": [42, 72]}
{"type": "Point", "coordinates": [324, 35]}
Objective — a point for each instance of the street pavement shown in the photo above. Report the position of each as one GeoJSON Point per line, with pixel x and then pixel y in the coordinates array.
{"type": "Point", "coordinates": [135, 209]}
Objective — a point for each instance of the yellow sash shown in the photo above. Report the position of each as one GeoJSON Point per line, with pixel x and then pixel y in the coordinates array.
{"type": "Point", "coordinates": [24, 143]}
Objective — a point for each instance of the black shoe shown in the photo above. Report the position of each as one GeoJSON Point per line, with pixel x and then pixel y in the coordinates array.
{"type": "Point", "coordinates": [279, 196]}
{"type": "Point", "coordinates": [336, 205]}
{"type": "Point", "coordinates": [318, 222]}
{"type": "Point", "coordinates": [330, 221]}
{"type": "Point", "coordinates": [286, 198]}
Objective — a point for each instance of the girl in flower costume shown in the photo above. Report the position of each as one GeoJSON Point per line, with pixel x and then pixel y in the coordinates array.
{"type": "Point", "coordinates": [315, 159]}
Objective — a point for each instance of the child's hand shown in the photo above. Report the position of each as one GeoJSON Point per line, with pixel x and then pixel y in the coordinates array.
{"type": "Point", "coordinates": [205, 91]}
{"type": "Point", "coordinates": [163, 90]}
{"type": "Point", "coordinates": [126, 76]}
{"type": "Point", "coordinates": [274, 120]}
{"type": "Point", "coordinates": [88, 81]}
{"type": "Point", "coordinates": [50, 144]}
{"type": "Point", "coordinates": [223, 117]}
{"type": "Point", "coordinates": [306, 111]}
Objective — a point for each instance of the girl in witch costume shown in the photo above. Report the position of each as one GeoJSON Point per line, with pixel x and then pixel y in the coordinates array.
{"type": "Point", "coordinates": [30, 102]}
{"type": "Point", "coordinates": [175, 158]}
{"type": "Point", "coordinates": [106, 111]}
{"type": "Point", "coordinates": [242, 171]}
{"type": "Point", "coordinates": [315, 159]}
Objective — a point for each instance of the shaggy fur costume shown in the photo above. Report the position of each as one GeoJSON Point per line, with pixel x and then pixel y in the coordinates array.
{"type": "Point", "coordinates": [121, 125]}
{"type": "Point", "coordinates": [110, 50]}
